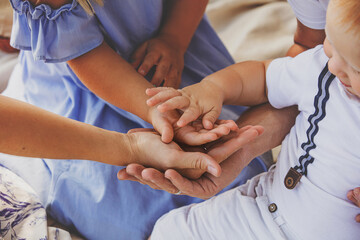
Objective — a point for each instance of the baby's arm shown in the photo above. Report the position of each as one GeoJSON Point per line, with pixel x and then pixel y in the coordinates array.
{"type": "Point", "coordinates": [239, 84]}
{"type": "Point", "coordinates": [354, 196]}
{"type": "Point", "coordinates": [166, 50]}
{"type": "Point", "coordinates": [26, 130]}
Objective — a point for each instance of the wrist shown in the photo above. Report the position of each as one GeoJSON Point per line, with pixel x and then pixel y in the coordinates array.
{"type": "Point", "coordinates": [214, 87]}
{"type": "Point", "coordinates": [132, 146]}
{"type": "Point", "coordinates": [118, 149]}
{"type": "Point", "coordinates": [150, 114]}
{"type": "Point", "coordinates": [176, 41]}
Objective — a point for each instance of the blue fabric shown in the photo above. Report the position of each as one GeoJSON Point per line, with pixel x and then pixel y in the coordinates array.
{"type": "Point", "coordinates": [86, 195]}
{"type": "Point", "coordinates": [54, 36]}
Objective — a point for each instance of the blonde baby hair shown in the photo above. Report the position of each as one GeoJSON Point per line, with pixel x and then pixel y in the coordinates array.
{"type": "Point", "coordinates": [349, 14]}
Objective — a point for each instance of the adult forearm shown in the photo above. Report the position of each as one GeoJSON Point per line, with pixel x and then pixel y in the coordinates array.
{"type": "Point", "coordinates": [305, 38]}
{"type": "Point", "coordinates": [113, 79]}
{"type": "Point", "coordinates": [277, 124]}
{"type": "Point", "coordinates": [181, 20]}
{"type": "Point", "coordinates": [29, 131]}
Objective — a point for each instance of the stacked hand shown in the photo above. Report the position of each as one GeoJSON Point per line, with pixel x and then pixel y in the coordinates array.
{"type": "Point", "coordinates": [190, 117]}
{"type": "Point", "coordinates": [203, 100]}
{"type": "Point", "coordinates": [207, 185]}
{"type": "Point", "coordinates": [149, 150]}
{"type": "Point", "coordinates": [161, 53]}
{"type": "Point", "coordinates": [192, 134]}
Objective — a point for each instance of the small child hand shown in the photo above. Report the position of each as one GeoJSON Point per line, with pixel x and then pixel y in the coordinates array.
{"type": "Point", "coordinates": [354, 196]}
{"type": "Point", "coordinates": [191, 134]}
{"type": "Point", "coordinates": [195, 134]}
{"type": "Point", "coordinates": [167, 58]}
{"type": "Point", "coordinates": [202, 100]}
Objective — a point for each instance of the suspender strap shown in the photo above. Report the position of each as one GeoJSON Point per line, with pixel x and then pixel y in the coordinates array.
{"type": "Point", "coordinates": [320, 100]}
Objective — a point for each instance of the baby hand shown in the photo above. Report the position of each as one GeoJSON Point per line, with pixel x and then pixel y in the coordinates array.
{"type": "Point", "coordinates": [194, 134]}
{"type": "Point", "coordinates": [202, 100]}
{"type": "Point", "coordinates": [191, 134]}
{"type": "Point", "coordinates": [167, 58]}
{"type": "Point", "coordinates": [354, 196]}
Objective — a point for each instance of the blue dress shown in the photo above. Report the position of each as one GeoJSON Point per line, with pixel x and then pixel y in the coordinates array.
{"type": "Point", "coordinates": [86, 195]}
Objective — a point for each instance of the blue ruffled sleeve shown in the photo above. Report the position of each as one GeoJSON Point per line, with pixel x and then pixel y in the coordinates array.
{"type": "Point", "coordinates": [54, 35]}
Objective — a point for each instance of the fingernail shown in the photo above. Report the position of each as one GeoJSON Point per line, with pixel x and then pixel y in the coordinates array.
{"type": "Point", "coordinates": [212, 170]}
{"type": "Point", "coordinates": [142, 71]}
{"type": "Point", "coordinates": [208, 124]}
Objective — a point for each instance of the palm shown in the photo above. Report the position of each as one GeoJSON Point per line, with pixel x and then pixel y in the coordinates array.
{"type": "Point", "coordinates": [207, 185]}
{"type": "Point", "coordinates": [191, 134]}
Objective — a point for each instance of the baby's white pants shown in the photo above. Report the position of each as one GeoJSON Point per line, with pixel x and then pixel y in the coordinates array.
{"type": "Point", "coordinates": [245, 212]}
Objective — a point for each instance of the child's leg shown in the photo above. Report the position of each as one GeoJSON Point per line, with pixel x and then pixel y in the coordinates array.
{"type": "Point", "coordinates": [354, 196]}
{"type": "Point", "coordinates": [236, 214]}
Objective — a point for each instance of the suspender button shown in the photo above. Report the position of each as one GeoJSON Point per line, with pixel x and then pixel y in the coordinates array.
{"type": "Point", "coordinates": [272, 207]}
{"type": "Point", "coordinates": [289, 182]}
{"type": "Point", "coordinates": [292, 178]}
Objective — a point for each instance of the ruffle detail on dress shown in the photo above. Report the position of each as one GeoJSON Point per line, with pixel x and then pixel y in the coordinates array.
{"type": "Point", "coordinates": [25, 7]}
{"type": "Point", "coordinates": [54, 35]}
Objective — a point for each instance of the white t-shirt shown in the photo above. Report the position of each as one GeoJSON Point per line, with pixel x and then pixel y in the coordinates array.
{"type": "Point", "coordinates": [317, 207]}
{"type": "Point", "coordinates": [311, 13]}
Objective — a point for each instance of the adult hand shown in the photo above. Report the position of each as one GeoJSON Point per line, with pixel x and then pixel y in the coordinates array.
{"type": "Point", "coordinates": [160, 52]}
{"type": "Point", "coordinates": [149, 150]}
{"type": "Point", "coordinates": [207, 185]}
{"type": "Point", "coordinates": [354, 196]}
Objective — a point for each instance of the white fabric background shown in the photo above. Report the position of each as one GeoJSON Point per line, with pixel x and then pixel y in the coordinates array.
{"type": "Point", "coordinates": [253, 29]}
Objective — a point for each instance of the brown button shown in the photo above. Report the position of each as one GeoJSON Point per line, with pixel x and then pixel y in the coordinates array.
{"type": "Point", "coordinates": [292, 178]}
{"type": "Point", "coordinates": [272, 207]}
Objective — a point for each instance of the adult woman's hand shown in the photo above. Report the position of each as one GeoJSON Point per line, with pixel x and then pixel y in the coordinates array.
{"type": "Point", "coordinates": [160, 53]}
{"type": "Point", "coordinates": [207, 185]}
{"type": "Point", "coordinates": [149, 150]}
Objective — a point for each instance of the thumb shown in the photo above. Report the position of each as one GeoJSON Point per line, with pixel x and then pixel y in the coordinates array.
{"type": "Point", "coordinates": [165, 129]}
{"type": "Point", "coordinates": [123, 175]}
{"type": "Point", "coordinates": [210, 118]}
{"type": "Point", "coordinates": [197, 160]}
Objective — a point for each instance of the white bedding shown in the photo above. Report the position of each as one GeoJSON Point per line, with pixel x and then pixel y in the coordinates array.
{"type": "Point", "coordinates": [253, 29]}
